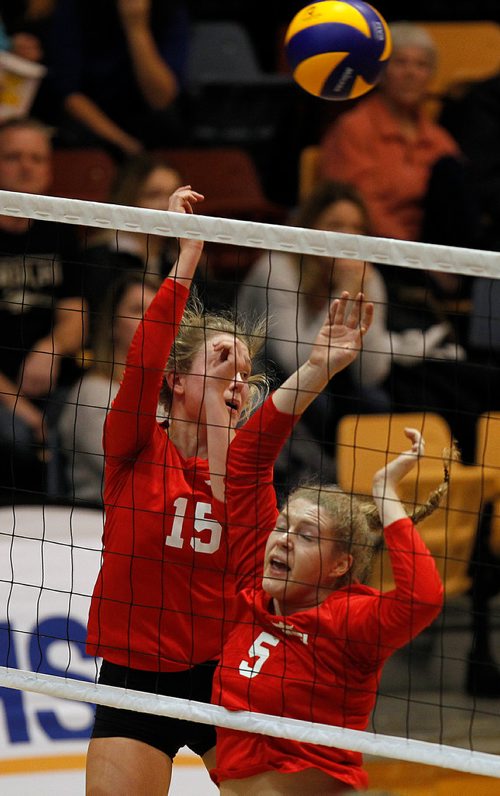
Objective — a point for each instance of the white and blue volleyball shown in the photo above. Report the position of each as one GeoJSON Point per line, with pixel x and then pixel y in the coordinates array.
{"type": "Point", "coordinates": [338, 50]}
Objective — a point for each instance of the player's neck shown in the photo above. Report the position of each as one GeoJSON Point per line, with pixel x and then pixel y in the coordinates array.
{"type": "Point", "coordinates": [189, 437]}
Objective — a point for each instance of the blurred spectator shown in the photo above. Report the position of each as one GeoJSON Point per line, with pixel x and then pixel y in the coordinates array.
{"type": "Point", "coordinates": [26, 14]}
{"type": "Point", "coordinates": [82, 419]}
{"type": "Point", "coordinates": [472, 116]}
{"type": "Point", "coordinates": [42, 314]}
{"type": "Point", "coordinates": [27, 23]}
{"type": "Point", "coordinates": [23, 24]}
{"type": "Point", "coordinates": [20, 71]}
{"type": "Point", "coordinates": [402, 162]}
{"type": "Point", "coordinates": [416, 185]}
{"type": "Point", "coordinates": [143, 181]}
{"type": "Point", "coordinates": [117, 67]}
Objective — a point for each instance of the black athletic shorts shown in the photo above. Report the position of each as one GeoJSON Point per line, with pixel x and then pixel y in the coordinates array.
{"type": "Point", "coordinates": [167, 735]}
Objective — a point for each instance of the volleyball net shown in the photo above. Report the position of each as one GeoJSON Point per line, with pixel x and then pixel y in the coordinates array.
{"type": "Point", "coordinates": [51, 542]}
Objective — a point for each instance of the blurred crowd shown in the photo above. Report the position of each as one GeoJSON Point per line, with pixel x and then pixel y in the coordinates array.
{"type": "Point", "coordinates": [136, 80]}
{"type": "Point", "coordinates": [121, 77]}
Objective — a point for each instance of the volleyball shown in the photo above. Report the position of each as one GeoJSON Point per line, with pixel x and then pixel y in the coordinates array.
{"type": "Point", "coordinates": [338, 50]}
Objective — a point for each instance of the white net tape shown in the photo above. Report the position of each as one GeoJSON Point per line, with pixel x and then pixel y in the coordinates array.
{"type": "Point", "coordinates": [264, 724]}
{"type": "Point", "coordinates": [406, 254]}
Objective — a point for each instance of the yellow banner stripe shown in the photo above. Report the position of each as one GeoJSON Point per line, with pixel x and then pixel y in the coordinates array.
{"type": "Point", "coordinates": [28, 765]}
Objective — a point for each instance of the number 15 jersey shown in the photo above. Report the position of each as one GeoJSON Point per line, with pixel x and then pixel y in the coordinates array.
{"type": "Point", "coordinates": [165, 584]}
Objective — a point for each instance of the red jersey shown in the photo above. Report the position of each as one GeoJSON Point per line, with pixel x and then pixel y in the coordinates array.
{"type": "Point", "coordinates": [165, 583]}
{"type": "Point", "coordinates": [322, 664]}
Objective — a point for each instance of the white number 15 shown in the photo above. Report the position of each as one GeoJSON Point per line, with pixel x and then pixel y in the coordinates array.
{"type": "Point", "coordinates": [202, 522]}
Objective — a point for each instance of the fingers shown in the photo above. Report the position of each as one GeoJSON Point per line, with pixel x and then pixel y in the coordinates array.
{"type": "Point", "coordinates": [367, 316]}
{"type": "Point", "coordinates": [223, 351]}
{"type": "Point", "coordinates": [418, 443]}
{"type": "Point", "coordinates": [183, 199]}
{"type": "Point", "coordinates": [359, 315]}
{"type": "Point", "coordinates": [338, 309]}
{"type": "Point", "coordinates": [435, 335]}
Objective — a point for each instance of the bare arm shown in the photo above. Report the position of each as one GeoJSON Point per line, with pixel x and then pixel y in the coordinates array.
{"type": "Point", "coordinates": [337, 345]}
{"type": "Point", "coordinates": [41, 366]}
{"type": "Point", "coordinates": [182, 201]}
{"type": "Point", "coordinates": [85, 111]}
{"type": "Point", "coordinates": [393, 618]}
{"type": "Point", "coordinates": [221, 367]}
{"type": "Point", "coordinates": [23, 407]}
{"type": "Point", "coordinates": [132, 419]}
{"type": "Point", "coordinates": [385, 481]}
{"type": "Point", "coordinates": [156, 80]}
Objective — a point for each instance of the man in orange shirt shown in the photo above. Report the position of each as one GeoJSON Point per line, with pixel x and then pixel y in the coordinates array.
{"type": "Point", "coordinates": [386, 145]}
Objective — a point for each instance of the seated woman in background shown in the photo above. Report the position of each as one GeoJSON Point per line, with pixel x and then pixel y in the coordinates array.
{"type": "Point", "coordinates": [293, 291]}
{"type": "Point", "coordinates": [82, 419]}
{"type": "Point", "coordinates": [144, 181]}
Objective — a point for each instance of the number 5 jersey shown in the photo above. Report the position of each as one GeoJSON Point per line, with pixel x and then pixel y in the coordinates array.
{"type": "Point", "coordinates": [321, 665]}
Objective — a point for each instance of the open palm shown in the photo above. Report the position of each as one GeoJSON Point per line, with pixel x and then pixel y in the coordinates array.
{"type": "Point", "coordinates": [339, 340]}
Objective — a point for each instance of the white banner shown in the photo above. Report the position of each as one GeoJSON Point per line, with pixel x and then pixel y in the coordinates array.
{"type": "Point", "coordinates": [49, 560]}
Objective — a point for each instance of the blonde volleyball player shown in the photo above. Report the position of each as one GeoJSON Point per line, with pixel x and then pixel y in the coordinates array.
{"type": "Point", "coordinates": [310, 639]}
{"type": "Point", "coordinates": [164, 590]}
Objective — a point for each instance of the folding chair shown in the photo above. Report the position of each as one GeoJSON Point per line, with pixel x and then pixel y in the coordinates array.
{"type": "Point", "coordinates": [230, 99]}
{"type": "Point", "coordinates": [365, 443]}
{"type": "Point", "coordinates": [228, 178]}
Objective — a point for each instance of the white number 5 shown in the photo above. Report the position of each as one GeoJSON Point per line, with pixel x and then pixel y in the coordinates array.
{"type": "Point", "coordinates": [260, 653]}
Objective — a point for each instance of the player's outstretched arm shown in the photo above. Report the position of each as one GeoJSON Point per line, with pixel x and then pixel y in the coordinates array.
{"type": "Point", "coordinates": [386, 480]}
{"type": "Point", "coordinates": [338, 343]}
{"type": "Point", "coordinates": [183, 200]}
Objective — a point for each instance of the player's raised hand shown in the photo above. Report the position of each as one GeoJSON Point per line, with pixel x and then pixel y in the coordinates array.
{"type": "Point", "coordinates": [228, 368]}
{"type": "Point", "coordinates": [395, 470]}
{"type": "Point", "coordinates": [339, 340]}
{"type": "Point", "coordinates": [386, 480]}
{"type": "Point", "coordinates": [183, 200]}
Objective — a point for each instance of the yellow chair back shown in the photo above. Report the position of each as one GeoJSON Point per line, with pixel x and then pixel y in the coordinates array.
{"type": "Point", "coordinates": [365, 443]}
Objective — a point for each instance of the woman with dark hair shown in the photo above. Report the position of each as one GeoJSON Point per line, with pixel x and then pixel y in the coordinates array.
{"type": "Point", "coordinates": [144, 181]}
{"type": "Point", "coordinates": [82, 419]}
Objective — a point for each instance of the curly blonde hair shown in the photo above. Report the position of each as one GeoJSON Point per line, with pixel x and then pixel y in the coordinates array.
{"type": "Point", "coordinates": [196, 328]}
